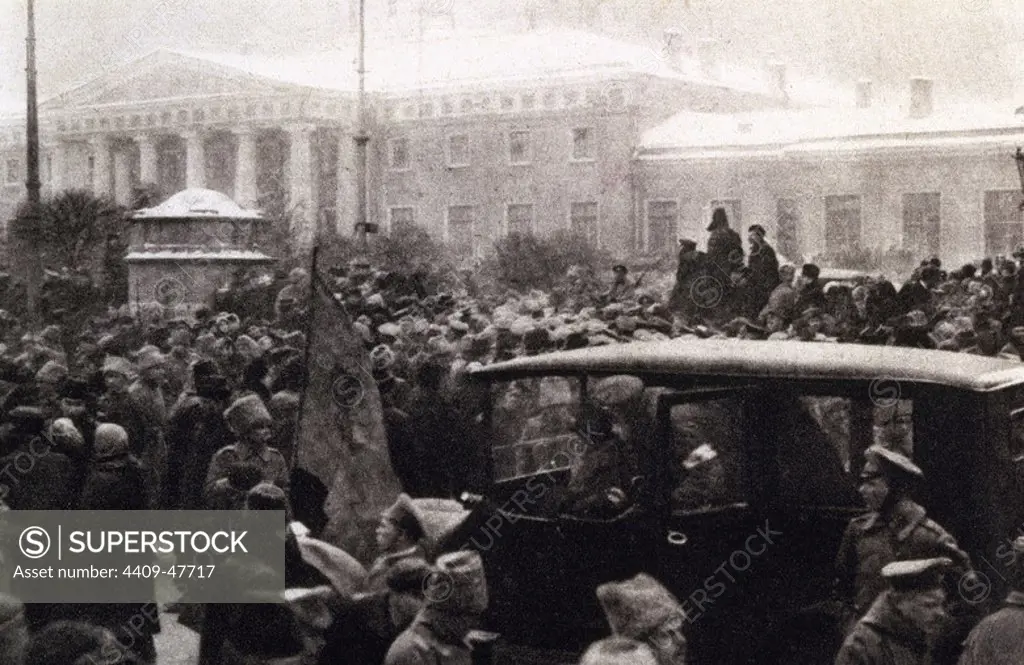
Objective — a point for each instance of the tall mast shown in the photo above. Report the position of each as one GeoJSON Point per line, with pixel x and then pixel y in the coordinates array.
{"type": "Point", "coordinates": [361, 136]}
{"type": "Point", "coordinates": [32, 120]}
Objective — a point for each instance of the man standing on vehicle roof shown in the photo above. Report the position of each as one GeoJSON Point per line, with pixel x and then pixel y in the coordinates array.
{"type": "Point", "coordinates": [896, 529]}
{"type": "Point", "coordinates": [903, 623]}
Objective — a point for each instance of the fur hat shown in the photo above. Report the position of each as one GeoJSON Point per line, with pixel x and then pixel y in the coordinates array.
{"type": "Point", "coordinates": [150, 357]}
{"type": "Point", "coordinates": [636, 607]}
{"type": "Point", "coordinates": [458, 584]}
{"type": "Point", "coordinates": [618, 651]}
{"type": "Point", "coordinates": [266, 496]}
{"type": "Point", "coordinates": [118, 365]}
{"type": "Point", "coordinates": [406, 515]}
{"type": "Point", "coordinates": [65, 436]}
{"type": "Point", "coordinates": [247, 413]}
{"type": "Point", "coordinates": [111, 441]}
{"type": "Point", "coordinates": [52, 372]}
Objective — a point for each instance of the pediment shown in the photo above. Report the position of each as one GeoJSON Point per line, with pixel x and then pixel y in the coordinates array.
{"type": "Point", "coordinates": [164, 75]}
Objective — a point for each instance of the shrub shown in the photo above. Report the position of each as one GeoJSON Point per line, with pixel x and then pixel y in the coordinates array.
{"type": "Point", "coordinates": [525, 262]}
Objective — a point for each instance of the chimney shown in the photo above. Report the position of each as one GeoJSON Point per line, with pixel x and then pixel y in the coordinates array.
{"type": "Point", "coordinates": [920, 97]}
{"type": "Point", "coordinates": [864, 94]}
{"type": "Point", "coordinates": [779, 79]}
{"type": "Point", "coordinates": [707, 56]}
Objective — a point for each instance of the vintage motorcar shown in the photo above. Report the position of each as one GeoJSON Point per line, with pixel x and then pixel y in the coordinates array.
{"type": "Point", "coordinates": [734, 475]}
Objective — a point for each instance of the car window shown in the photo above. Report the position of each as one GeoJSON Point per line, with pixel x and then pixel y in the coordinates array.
{"type": "Point", "coordinates": [534, 426]}
{"type": "Point", "coordinates": [815, 445]}
{"type": "Point", "coordinates": [709, 458]}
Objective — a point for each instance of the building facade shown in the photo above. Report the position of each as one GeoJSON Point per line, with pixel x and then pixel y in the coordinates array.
{"type": "Point", "coordinates": [465, 141]}
{"type": "Point", "coordinates": [823, 182]}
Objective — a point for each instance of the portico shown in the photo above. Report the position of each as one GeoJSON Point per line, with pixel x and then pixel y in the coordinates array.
{"type": "Point", "coordinates": [261, 142]}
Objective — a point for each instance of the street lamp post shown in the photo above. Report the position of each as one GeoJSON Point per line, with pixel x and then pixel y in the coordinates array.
{"type": "Point", "coordinates": [26, 230]}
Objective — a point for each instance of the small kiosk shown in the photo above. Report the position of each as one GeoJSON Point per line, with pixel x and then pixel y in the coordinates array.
{"type": "Point", "coordinates": [181, 251]}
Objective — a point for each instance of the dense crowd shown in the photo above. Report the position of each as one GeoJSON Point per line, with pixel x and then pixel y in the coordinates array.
{"type": "Point", "coordinates": [141, 411]}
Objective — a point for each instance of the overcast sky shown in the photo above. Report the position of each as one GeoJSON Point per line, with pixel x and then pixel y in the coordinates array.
{"type": "Point", "coordinates": [972, 48]}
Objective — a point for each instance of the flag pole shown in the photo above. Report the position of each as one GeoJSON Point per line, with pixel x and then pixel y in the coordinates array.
{"type": "Point", "coordinates": [310, 318]}
{"type": "Point", "coordinates": [361, 137]}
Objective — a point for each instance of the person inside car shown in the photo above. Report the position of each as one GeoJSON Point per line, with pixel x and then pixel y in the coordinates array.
{"type": "Point", "coordinates": [599, 481]}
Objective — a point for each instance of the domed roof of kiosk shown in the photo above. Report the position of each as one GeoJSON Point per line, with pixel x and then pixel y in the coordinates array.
{"type": "Point", "coordinates": [192, 203]}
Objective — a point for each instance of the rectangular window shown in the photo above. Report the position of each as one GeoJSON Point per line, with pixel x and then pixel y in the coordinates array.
{"type": "Point", "coordinates": [662, 224]}
{"type": "Point", "coordinates": [402, 217]}
{"type": "Point", "coordinates": [733, 210]}
{"type": "Point", "coordinates": [583, 220]}
{"type": "Point", "coordinates": [787, 216]}
{"type": "Point", "coordinates": [519, 148]}
{"type": "Point", "coordinates": [398, 153]}
{"type": "Point", "coordinates": [1003, 222]}
{"type": "Point", "coordinates": [12, 174]}
{"type": "Point", "coordinates": [520, 218]}
{"type": "Point", "coordinates": [842, 223]}
{"type": "Point", "coordinates": [458, 150]}
{"type": "Point", "coordinates": [461, 231]}
{"type": "Point", "coordinates": [92, 170]}
{"type": "Point", "coordinates": [921, 222]}
{"type": "Point", "coordinates": [583, 143]}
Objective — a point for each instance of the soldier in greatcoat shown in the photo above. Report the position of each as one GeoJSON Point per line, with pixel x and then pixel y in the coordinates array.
{"type": "Point", "coordinates": [999, 638]}
{"type": "Point", "coordinates": [903, 623]}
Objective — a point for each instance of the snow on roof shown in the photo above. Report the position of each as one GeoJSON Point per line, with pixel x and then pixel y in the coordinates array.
{"type": "Point", "coordinates": [198, 255]}
{"type": "Point", "coordinates": [458, 59]}
{"type": "Point", "coordinates": [810, 129]}
{"type": "Point", "coordinates": [198, 203]}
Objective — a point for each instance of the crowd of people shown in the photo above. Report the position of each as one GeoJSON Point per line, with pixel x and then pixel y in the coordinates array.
{"type": "Point", "coordinates": [141, 411]}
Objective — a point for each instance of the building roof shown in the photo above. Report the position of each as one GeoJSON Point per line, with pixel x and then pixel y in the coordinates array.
{"type": "Point", "coordinates": [192, 203]}
{"type": "Point", "coordinates": [708, 135]}
{"type": "Point", "coordinates": [451, 60]}
{"type": "Point", "coordinates": [742, 359]}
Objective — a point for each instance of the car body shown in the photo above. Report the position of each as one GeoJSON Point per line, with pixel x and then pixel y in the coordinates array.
{"type": "Point", "coordinates": [743, 463]}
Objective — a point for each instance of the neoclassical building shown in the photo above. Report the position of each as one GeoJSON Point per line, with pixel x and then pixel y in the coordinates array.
{"type": "Point", "coordinates": [472, 136]}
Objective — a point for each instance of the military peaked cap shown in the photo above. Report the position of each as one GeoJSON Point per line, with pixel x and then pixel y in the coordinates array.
{"type": "Point", "coordinates": [916, 574]}
{"type": "Point", "coordinates": [882, 461]}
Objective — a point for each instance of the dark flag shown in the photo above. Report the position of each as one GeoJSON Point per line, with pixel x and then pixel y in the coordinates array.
{"type": "Point", "coordinates": [341, 438]}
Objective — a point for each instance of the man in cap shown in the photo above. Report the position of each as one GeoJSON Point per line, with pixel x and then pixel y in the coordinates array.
{"type": "Point", "coordinates": [642, 609]}
{"type": "Point", "coordinates": [763, 266]}
{"type": "Point", "coordinates": [621, 289]}
{"type": "Point", "coordinates": [399, 537]}
{"type": "Point", "coordinates": [903, 623]}
{"type": "Point", "coordinates": [896, 528]}
{"type": "Point", "coordinates": [999, 638]}
{"type": "Point", "coordinates": [147, 396]}
{"type": "Point", "coordinates": [810, 291]}
{"type": "Point", "coordinates": [725, 249]}
{"type": "Point", "coordinates": [782, 299]}
{"type": "Point", "coordinates": [444, 631]}
{"type": "Point", "coordinates": [618, 651]}
{"type": "Point", "coordinates": [251, 424]}
{"type": "Point", "coordinates": [196, 431]}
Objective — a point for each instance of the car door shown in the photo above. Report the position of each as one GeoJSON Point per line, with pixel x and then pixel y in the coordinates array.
{"type": "Point", "coordinates": [713, 531]}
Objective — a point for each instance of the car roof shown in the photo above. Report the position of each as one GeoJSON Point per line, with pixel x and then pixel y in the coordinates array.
{"type": "Point", "coordinates": [734, 358]}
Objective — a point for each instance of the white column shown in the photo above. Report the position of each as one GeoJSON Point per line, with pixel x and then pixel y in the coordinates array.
{"type": "Point", "coordinates": [122, 176]}
{"type": "Point", "coordinates": [102, 184]}
{"type": "Point", "coordinates": [195, 161]}
{"type": "Point", "coordinates": [347, 173]}
{"type": "Point", "coordinates": [60, 167]}
{"type": "Point", "coordinates": [302, 201]}
{"type": "Point", "coordinates": [245, 168]}
{"type": "Point", "coordinates": [148, 170]}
